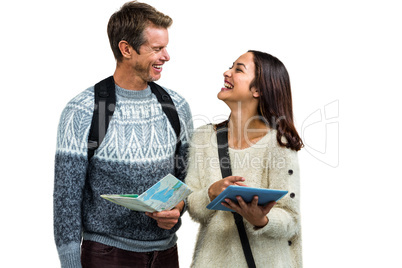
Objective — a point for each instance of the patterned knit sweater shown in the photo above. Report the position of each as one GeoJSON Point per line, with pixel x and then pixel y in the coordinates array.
{"type": "Point", "coordinates": [136, 152]}
{"type": "Point", "coordinates": [263, 165]}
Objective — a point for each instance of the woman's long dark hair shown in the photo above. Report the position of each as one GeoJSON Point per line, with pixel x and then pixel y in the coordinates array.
{"type": "Point", "coordinates": [273, 83]}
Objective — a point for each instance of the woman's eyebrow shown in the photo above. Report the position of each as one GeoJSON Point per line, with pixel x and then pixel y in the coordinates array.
{"type": "Point", "coordinates": [239, 63]}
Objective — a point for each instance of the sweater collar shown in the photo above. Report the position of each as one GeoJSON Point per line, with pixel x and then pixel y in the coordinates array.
{"type": "Point", "coordinates": [133, 94]}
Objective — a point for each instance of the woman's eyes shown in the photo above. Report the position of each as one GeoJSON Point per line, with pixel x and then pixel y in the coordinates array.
{"type": "Point", "coordinates": [237, 69]}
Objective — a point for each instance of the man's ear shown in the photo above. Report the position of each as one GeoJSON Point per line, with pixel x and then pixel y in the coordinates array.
{"type": "Point", "coordinates": [125, 49]}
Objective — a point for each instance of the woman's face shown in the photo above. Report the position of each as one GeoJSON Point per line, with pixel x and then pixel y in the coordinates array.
{"type": "Point", "coordinates": [238, 79]}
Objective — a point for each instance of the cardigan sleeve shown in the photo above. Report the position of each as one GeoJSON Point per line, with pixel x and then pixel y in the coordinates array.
{"type": "Point", "coordinates": [198, 162]}
{"type": "Point", "coordinates": [284, 217]}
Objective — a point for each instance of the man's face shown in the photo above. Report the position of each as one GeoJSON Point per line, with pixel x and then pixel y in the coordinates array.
{"type": "Point", "coordinates": [153, 54]}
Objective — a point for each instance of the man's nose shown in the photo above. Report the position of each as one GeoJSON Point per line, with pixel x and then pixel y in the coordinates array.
{"type": "Point", "coordinates": [165, 55]}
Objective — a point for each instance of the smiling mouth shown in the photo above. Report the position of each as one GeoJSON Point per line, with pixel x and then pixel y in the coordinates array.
{"type": "Point", "coordinates": [228, 85]}
{"type": "Point", "coordinates": [157, 67]}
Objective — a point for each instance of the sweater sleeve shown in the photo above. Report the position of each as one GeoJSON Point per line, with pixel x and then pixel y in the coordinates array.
{"type": "Point", "coordinates": [186, 126]}
{"type": "Point", "coordinates": [284, 217]}
{"type": "Point", "coordinates": [70, 172]}
{"type": "Point", "coordinates": [199, 199]}
{"type": "Point", "coordinates": [186, 130]}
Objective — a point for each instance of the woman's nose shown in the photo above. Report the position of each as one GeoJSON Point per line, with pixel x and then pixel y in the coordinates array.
{"type": "Point", "coordinates": [227, 73]}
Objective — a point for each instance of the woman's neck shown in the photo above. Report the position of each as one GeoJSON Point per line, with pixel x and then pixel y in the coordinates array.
{"type": "Point", "coordinates": [245, 129]}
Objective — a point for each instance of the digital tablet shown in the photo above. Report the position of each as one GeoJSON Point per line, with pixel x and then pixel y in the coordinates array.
{"type": "Point", "coordinates": [247, 193]}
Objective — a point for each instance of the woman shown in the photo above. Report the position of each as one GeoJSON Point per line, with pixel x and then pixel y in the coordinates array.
{"type": "Point", "coordinates": [262, 143]}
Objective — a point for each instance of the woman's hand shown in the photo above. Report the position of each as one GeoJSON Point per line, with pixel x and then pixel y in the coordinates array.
{"type": "Point", "coordinates": [216, 188]}
{"type": "Point", "coordinates": [252, 212]}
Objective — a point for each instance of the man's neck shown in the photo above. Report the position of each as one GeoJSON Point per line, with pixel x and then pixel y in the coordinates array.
{"type": "Point", "coordinates": [127, 80]}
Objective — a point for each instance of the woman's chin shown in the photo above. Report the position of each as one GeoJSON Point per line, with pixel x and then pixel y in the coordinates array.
{"type": "Point", "coordinates": [222, 95]}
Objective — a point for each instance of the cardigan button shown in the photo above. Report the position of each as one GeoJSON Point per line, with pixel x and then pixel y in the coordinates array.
{"type": "Point", "coordinates": [289, 243]}
{"type": "Point", "coordinates": [292, 195]}
{"type": "Point", "coordinates": [290, 172]}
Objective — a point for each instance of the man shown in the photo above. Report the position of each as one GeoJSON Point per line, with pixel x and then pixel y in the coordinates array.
{"type": "Point", "coordinates": [137, 151]}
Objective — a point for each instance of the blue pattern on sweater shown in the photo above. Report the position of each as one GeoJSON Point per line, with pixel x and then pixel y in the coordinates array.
{"type": "Point", "coordinates": [137, 151]}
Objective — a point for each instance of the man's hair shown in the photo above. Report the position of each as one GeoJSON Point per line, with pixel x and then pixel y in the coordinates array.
{"type": "Point", "coordinates": [129, 23]}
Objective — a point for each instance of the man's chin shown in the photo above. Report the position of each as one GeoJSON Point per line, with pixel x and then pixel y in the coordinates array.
{"type": "Point", "coordinates": [154, 78]}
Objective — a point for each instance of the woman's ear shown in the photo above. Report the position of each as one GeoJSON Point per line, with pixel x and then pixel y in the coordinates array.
{"type": "Point", "coordinates": [125, 49]}
{"type": "Point", "coordinates": [255, 92]}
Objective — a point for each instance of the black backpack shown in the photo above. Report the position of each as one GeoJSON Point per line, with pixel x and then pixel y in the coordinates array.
{"type": "Point", "coordinates": [105, 102]}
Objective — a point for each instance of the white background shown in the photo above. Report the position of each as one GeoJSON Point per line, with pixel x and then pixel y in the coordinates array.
{"type": "Point", "coordinates": [344, 60]}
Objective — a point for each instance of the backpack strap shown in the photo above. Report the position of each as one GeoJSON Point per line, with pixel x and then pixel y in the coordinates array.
{"type": "Point", "coordinates": [223, 151]}
{"type": "Point", "coordinates": [224, 161]}
{"type": "Point", "coordinates": [169, 109]}
{"type": "Point", "coordinates": [105, 102]}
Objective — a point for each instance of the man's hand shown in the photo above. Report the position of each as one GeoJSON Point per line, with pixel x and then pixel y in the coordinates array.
{"type": "Point", "coordinates": [168, 218]}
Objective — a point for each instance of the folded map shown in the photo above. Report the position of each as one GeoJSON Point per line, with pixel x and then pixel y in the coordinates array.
{"type": "Point", "coordinates": [163, 195]}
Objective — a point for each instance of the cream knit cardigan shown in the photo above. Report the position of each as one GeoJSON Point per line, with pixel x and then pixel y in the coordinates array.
{"type": "Point", "coordinates": [264, 165]}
